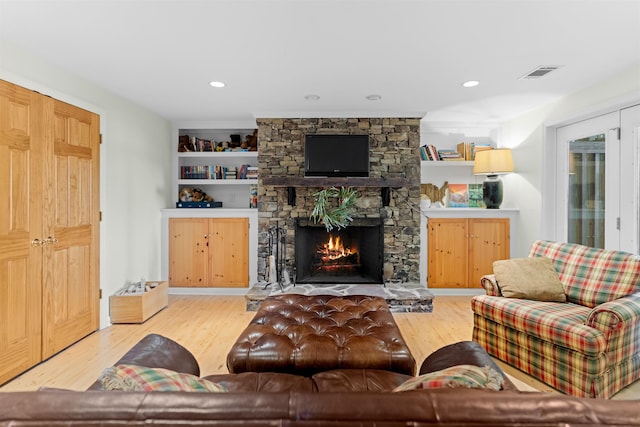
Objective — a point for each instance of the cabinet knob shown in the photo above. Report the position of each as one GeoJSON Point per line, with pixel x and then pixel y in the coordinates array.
{"type": "Point", "coordinates": [37, 242]}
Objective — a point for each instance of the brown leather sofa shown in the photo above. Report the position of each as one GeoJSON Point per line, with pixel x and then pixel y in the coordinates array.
{"type": "Point", "coordinates": [345, 397]}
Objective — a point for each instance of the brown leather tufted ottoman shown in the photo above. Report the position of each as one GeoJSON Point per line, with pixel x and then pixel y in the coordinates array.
{"type": "Point", "coordinates": [308, 334]}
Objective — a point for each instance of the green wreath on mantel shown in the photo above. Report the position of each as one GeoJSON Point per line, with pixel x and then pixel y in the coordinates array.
{"type": "Point", "coordinates": [334, 216]}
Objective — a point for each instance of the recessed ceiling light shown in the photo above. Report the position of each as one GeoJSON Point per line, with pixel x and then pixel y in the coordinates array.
{"type": "Point", "coordinates": [312, 97]}
{"type": "Point", "coordinates": [374, 97]}
{"type": "Point", "coordinates": [216, 84]}
{"type": "Point", "coordinates": [471, 83]}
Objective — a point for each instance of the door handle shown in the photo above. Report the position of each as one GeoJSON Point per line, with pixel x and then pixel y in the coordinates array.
{"type": "Point", "coordinates": [37, 242]}
{"type": "Point", "coordinates": [50, 240]}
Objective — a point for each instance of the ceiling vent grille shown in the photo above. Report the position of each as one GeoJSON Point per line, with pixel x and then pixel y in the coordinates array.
{"type": "Point", "coordinates": [540, 71]}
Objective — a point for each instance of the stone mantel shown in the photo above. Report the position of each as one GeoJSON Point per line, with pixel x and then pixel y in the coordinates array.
{"type": "Point", "coordinates": [385, 184]}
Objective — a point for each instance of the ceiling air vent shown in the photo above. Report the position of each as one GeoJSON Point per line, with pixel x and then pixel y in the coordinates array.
{"type": "Point", "coordinates": [540, 71]}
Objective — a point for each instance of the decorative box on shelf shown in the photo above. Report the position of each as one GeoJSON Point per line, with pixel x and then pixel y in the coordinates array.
{"type": "Point", "coordinates": [138, 307]}
{"type": "Point", "coordinates": [198, 204]}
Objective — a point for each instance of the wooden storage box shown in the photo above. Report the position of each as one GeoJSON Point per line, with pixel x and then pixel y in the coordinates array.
{"type": "Point", "coordinates": [136, 308]}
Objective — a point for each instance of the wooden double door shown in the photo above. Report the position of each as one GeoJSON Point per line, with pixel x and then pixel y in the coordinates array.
{"type": "Point", "coordinates": [49, 227]}
{"type": "Point", "coordinates": [462, 250]}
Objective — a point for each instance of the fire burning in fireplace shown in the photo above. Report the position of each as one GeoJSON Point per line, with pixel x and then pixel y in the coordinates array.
{"type": "Point", "coordinates": [334, 250]}
{"type": "Point", "coordinates": [350, 255]}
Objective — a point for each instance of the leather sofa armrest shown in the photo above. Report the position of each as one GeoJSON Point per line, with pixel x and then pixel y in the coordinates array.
{"type": "Point", "coordinates": [614, 315]}
{"type": "Point", "coordinates": [156, 351]}
{"type": "Point", "coordinates": [490, 285]}
{"type": "Point", "coordinates": [463, 353]}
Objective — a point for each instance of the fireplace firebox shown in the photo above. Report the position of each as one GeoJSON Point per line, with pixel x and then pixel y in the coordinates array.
{"type": "Point", "coordinates": [351, 255]}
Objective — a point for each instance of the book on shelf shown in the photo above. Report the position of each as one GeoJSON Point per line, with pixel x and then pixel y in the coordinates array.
{"type": "Point", "coordinates": [465, 149]}
{"type": "Point", "coordinates": [194, 172]}
{"type": "Point", "coordinates": [252, 172]}
{"type": "Point", "coordinates": [423, 153]}
{"type": "Point", "coordinates": [449, 155]}
{"type": "Point", "coordinates": [218, 172]}
{"type": "Point", "coordinates": [429, 152]}
{"type": "Point", "coordinates": [468, 150]}
{"type": "Point", "coordinates": [242, 172]}
{"type": "Point", "coordinates": [230, 173]}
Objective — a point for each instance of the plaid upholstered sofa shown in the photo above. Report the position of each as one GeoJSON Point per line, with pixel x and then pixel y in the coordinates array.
{"type": "Point", "coordinates": [587, 346]}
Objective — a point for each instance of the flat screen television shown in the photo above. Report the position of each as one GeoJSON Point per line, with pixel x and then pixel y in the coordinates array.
{"type": "Point", "coordinates": [336, 155]}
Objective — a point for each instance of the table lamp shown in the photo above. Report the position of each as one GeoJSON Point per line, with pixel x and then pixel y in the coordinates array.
{"type": "Point", "coordinates": [492, 163]}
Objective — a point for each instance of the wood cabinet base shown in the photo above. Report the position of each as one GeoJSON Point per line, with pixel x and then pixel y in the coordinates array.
{"type": "Point", "coordinates": [462, 250]}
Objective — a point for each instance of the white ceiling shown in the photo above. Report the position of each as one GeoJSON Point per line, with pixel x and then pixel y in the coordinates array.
{"type": "Point", "coordinates": [271, 53]}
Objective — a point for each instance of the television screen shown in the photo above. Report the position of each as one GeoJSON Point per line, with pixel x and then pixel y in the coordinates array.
{"type": "Point", "coordinates": [336, 155]}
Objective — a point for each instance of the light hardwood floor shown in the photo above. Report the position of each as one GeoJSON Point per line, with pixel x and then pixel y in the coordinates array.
{"type": "Point", "coordinates": [209, 325]}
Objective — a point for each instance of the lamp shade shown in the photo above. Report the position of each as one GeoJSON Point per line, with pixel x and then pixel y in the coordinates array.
{"type": "Point", "coordinates": [493, 162]}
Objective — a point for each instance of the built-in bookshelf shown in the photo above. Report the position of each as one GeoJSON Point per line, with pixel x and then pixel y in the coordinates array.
{"type": "Point", "coordinates": [447, 156]}
{"type": "Point", "coordinates": [214, 161]}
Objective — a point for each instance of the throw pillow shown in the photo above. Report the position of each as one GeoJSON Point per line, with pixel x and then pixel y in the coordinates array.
{"type": "Point", "coordinates": [140, 378]}
{"type": "Point", "coordinates": [465, 376]}
{"type": "Point", "coordinates": [532, 278]}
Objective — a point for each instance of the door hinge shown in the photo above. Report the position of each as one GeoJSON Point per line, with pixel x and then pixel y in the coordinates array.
{"type": "Point", "coordinates": [100, 216]}
{"type": "Point", "coordinates": [618, 223]}
{"type": "Point", "coordinates": [100, 138]}
{"type": "Point", "coordinates": [618, 132]}
{"type": "Point", "coordinates": [100, 293]}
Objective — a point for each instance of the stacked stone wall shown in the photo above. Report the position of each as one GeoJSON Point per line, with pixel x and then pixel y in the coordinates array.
{"type": "Point", "coordinates": [394, 153]}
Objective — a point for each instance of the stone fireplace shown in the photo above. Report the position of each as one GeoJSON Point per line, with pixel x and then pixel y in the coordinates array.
{"type": "Point", "coordinates": [351, 255]}
{"type": "Point", "coordinates": [286, 199]}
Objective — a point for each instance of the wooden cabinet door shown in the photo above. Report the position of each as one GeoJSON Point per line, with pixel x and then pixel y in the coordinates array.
{"type": "Point", "coordinates": [489, 241]}
{"type": "Point", "coordinates": [229, 252]}
{"type": "Point", "coordinates": [462, 250]}
{"type": "Point", "coordinates": [20, 223]}
{"type": "Point", "coordinates": [71, 260]}
{"type": "Point", "coordinates": [447, 253]}
{"type": "Point", "coordinates": [188, 252]}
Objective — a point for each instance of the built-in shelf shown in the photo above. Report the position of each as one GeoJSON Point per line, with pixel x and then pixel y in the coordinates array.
{"type": "Point", "coordinates": [217, 181]}
{"type": "Point", "coordinates": [220, 154]}
{"type": "Point", "coordinates": [458, 163]}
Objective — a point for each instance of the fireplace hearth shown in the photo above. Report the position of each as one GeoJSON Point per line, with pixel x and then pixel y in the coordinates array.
{"type": "Point", "coordinates": [352, 255]}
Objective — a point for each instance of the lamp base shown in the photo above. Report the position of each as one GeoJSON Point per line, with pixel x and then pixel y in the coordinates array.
{"type": "Point", "coordinates": [492, 192]}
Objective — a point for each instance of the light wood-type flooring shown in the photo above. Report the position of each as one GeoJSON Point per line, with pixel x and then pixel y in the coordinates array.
{"type": "Point", "coordinates": [209, 325]}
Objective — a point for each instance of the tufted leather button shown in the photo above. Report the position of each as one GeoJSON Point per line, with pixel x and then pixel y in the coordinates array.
{"type": "Point", "coordinates": [307, 334]}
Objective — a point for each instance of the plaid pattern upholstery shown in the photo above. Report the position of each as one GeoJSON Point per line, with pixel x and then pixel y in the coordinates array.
{"type": "Point", "coordinates": [139, 378]}
{"type": "Point", "coordinates": [459, 376]}
{"type": "Point", "coordinates": [490, 285]}
{"type": "Point", "coordinates": [588, 347]}
{"type": "Point", "coordinates": [591, 276]}
{"type": "Point", "coordinates": [559, 324]}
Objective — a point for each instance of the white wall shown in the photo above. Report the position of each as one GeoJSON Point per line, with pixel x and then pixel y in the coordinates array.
{"type": "Point", "coordinates": [526, 136]}
{"type": "Point", "coordinates": [135, 168]}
